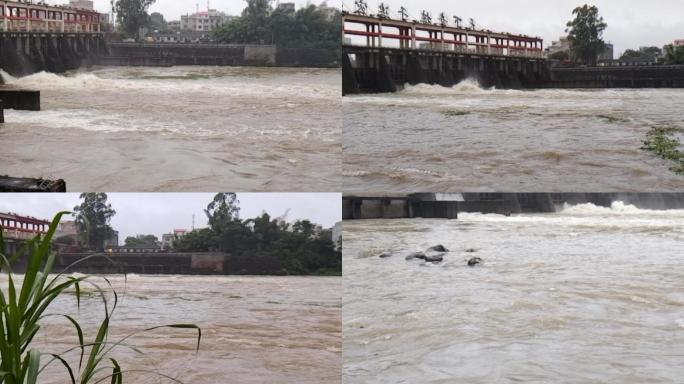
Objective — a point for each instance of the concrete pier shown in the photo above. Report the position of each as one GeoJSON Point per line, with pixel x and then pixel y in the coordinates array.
{"type": "Point", "coordinates": [24, 53]}
{"type": "Point", "coordinates": [19, 99]}
{"type": "Point", "coordinates": [18, 184]}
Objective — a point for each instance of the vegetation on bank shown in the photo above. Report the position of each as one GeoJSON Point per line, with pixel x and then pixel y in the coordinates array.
{"type": "Point", "coordinates": [302, 247]}
{"type": "Point", "coordinates": [24, 308]}
{"type": "Point", "coordinates": [260, 23]}
{"type": "Point", "coordinates": [662, 142]}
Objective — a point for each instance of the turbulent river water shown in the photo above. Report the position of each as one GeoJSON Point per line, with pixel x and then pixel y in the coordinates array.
{"type": "Point", "coordinates": [179, 129]}
{"type": "Point", "coordinates": [465, 138]}
{"type": "Point", "coordinates": [254, 329]}
{"type": "Point", "coordinates": [586, 295]}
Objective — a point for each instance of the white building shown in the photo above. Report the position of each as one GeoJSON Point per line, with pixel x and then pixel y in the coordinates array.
{"type": "Point", "coordinates": [85, 4]}
{"type": "Point", "coordinates": [563, 44]}
{"type": "Point", "coordinates": [204, 21]}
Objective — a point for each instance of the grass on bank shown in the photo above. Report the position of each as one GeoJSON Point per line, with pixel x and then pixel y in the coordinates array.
{"type": "Point", "coordinates": [23, 308]}
{"type": "Point", "coordinates": [662, 142]}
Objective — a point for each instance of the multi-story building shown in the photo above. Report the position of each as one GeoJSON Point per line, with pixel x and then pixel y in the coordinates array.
{"type": "Point", "coordinates": [204, 21]}
{"type": "Point", "coordinates": [83, 4]}
{"type": "Point", "coordinates": [608, 53]}
{"type": "Point", "coordinates": [562, 44]}
{"type": "Point", "coordinates": [169, 238]}
{"type": "Point", "coordinates": [16, 229]}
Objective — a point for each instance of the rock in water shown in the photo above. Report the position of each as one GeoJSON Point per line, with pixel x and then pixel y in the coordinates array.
{"type": "Point", "coordinates": [471, 250]}
{"type": "Point", "coordinates": [438, 248]}
{"type": "Point", "coordinates": [385, 255]}
{"type": "Point", "coordinates": [416, 255]}
{"type": "Point", "coordinates": [435, 258]}
{"type": "Point", "coordinates": [474, 261]}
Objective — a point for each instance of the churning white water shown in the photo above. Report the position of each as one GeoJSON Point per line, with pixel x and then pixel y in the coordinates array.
{"type": "Point", "coordinates": [179, 129]}
{"type": "Point", "coordinates": [433, 138]}
{"type": "Point", "coordinates": [586, 295]}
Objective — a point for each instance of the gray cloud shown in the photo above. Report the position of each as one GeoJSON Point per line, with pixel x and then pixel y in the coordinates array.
{"type": "Point", "coordinates": [631, 23]}
{"type": "Point", "coordinates": [158, 213]}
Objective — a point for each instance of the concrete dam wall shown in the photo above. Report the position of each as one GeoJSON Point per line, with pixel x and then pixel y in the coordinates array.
{"type": "Point", "coordinates": [372, 70]}
{"type": "Point", "coordinates": [448, 206]}
{"type": "Point", "coordinates": [26, 53]}
{"type": "Point", "coordinates": [617, 77]}
{"type": "Point", "coordinates": [163, 264]}
{"type": "Point", "coordinates": [134, 54]}
{"type": "Point", "coordinates": [388, 69]}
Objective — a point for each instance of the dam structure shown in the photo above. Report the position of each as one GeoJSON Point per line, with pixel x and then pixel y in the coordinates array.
{"type": "Point", "coordinates": [449, 205]}
{"type": "Point", "coordinates": [382, 54]}
{"type": "Point", "coordinates": [38, 37]}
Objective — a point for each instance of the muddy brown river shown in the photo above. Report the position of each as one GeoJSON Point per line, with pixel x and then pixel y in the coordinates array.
{"type": "Point", "coordinates": [586, 295]}
{"type": "Point", "coordinates": [179, 129]}
{"type": "Point", "coordinates": [465, 138]}
{"type": "Point", "coordinates": [254, 329]}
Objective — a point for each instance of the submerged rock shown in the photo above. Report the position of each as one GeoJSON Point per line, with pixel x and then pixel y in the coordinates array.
{"type": "Point", "coordinates": [435, 258]}
{"type": "Point", "coordinates": [474, 261]}
{"type": "Point", "coordinates": [416, 255]}
{"type": "Point", "coordinates": [438, 248]}
{"type": "Point", "coordinates": [385, 255]}
{"type": "Point", "coordinates": [471, 250]}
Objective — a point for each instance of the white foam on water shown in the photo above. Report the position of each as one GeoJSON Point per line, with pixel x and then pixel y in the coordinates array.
{"type": "Point", "coordinates": [178, 81]}
{"type": "Point", "coordinates": [616, 208]}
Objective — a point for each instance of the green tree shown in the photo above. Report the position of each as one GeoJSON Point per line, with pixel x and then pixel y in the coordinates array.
{"type": "Point", "coordinates": [199, 240]}
{"type": "Point", "coordinates": [302, 248]}
{"type": "Point", "coordinates": [157, 22]}
{"type": "Point", "coordinates": [92, 219]}
{"type": "Point", "coordinates": [132, 15]}
{"type": "Point", "coordinates": [674, 55]}
{"type": "Point", "coordinates": [309, 27]}
{"type": "Point", "coordinates": [560, 55]}
{"type": "Point", "coordinates": [142, 241]}
{"type": "Point", "coordinates": [585, 33]}
{"type": "Point", "coordinates": [642, 54]}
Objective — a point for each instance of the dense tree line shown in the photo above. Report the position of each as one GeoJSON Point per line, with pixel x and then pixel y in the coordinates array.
{"type": "Point", "coordinates": [259, 23]}
{"type": "Point", "coordinates": [302, 247]}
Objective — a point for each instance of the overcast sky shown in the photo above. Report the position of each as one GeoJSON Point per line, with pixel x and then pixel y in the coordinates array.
{"type": "Point", "coordinates": [631, 23]}
{"type": "Point", "coordinates": [159, 213]}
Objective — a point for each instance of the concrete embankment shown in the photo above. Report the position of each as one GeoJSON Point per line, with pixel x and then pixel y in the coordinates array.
{"type": "Point", "coordinates": [617, 77]}
{"type": "Point", "coordinates": [449, 205]}
{"type": "Point", "coordinates": [135, 54]}
{"type": "Point", "coordinates": [165, 264]}
{"type": "Point", "coordinates": [367, 70]}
